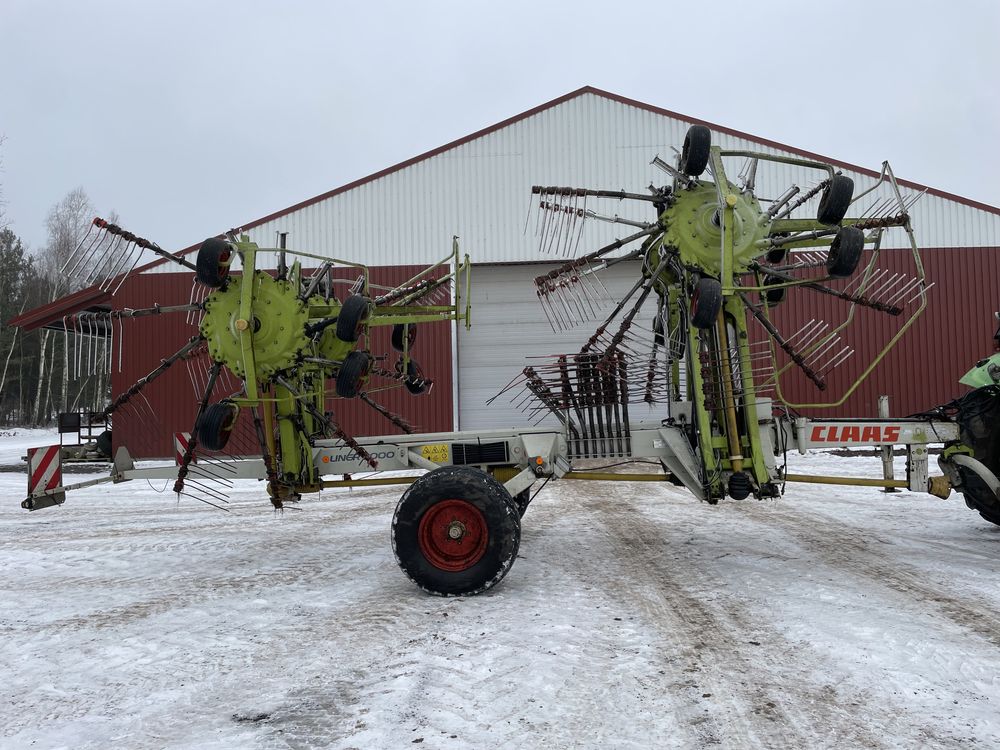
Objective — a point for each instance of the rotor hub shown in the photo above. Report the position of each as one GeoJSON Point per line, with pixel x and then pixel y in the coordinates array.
{"type": "Point", "coordinates": [276, 323]}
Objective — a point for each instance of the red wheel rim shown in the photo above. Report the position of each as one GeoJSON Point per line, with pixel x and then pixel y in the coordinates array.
{"type": "Point", "coordinates": [453, 535]}
{"type": "Point", "coordinates": [694, 301]}
{"type": "Point", "coordinates": [223, 265]}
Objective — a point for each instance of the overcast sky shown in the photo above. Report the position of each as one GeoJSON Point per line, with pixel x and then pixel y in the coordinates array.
{"type": "Point", "coordinates": [188, 118]}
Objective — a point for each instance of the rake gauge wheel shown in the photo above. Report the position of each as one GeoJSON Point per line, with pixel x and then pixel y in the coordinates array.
{"type": "Point", "coordinates": [352, 373]}
{"type": "Point", "coordinates": [706, 301]}
{"type": "Point", "coordinates": [776, 295]}
{"type": "Point", "coordinates": [835, 200]}
{"type": "Point", "coordinates": [845, 252]}
{"type": "Point", "coordinates": [696, 150]}
{"type": "Point", "coordinates": [403, 336]}
{"type": "Point", "coordinates": [353, 313]}
{"type": "Point", "coordinates": [212, 263]}
{"type": "Point", "coordinates": [456, 531]}
{"type": "Point", "coordinates": [414, 381]}
{"type": "Point", "coordinates": [215, 426]}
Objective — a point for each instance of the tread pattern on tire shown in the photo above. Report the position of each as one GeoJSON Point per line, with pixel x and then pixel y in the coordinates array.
{"type": "Point", "coordinates": [351, 373]}
{"type": "Point", "coordinates": [352, 313]}
{"type": "Point", "coordinates": [477, 488]}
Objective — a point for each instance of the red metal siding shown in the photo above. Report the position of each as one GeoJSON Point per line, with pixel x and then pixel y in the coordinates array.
{"type": "Point", "coordinates": [172, 401]}
{"type": "Point", "coordinates": [922, 371]}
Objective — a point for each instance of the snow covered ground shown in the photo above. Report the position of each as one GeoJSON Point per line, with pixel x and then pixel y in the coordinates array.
{"type": "Point", "coordinates": [635, 617]}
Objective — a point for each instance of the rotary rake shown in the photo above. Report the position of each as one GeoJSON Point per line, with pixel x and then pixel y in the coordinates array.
{"type": "Point", "coordinates": [716, 262]}
{"type": "Point", "coordinates": [276, 343]}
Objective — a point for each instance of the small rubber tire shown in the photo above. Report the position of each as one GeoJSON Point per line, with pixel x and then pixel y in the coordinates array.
{"type": "Point", "coordinates": [212, 263]}
{"type": "Point", "coordinates": [776, 296]}
{"type": "Point", "coordinates": [777, 255]}
{"type": "Point", "coordinates": [706, 301]}
{"type": "Point", "coordinates": [352, 373]}
{"type": "Point", "coordinates": [403, 334]}
{"type": "Point", "coordinates": [215, 425]}
{"type": "Point", "coordinates": [658, 338]}
{"type": "Point", "coordinates": [835, 200]}
{"type": "Point", "coordinates": [414, 381]}
{"type": "Point", "coordinates": [104, 443]}
{"type": "Point", "coordinates": [845, 252]}
{"type": "Point", "coordinates": [456, 531]}
{"type": "Point", "coordinates": [696, 150]}
{"type": "Point", "coordinates": [740, 486]}
{"type": "Point", "coordinates": [353, 313]}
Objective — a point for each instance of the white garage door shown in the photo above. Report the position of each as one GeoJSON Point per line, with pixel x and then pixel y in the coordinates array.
{"type": "Point", "coordinates": [509, 327]}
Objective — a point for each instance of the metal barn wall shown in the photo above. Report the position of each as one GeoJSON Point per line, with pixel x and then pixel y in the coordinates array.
{"type": "Point", "coordinates": [173, 401]}
{"type": "Point", "coordinates": [509, 329]}
{"type": "Point", "coordinates": [480, 189]}
{"type": "Point", "coordinates": [922, 371]}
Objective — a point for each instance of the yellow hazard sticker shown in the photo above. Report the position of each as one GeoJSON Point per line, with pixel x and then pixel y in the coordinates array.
{"type": "Point", "coordinates": [436, 452]}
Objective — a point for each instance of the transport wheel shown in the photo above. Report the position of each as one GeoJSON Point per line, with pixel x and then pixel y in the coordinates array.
{"type": "Point", "coordinates": [353, 313]}
{"type": "Point", "coordinates": [706, 303]}
{"type": "Point", "coordinates": [845, 252]}
{"type": "Point", "coordinates": [403, 334]}
{"type": "Point", "coordinates": [658, 337]}
{"type": "Point", "coordinates": [695, 152]}
{"type": "Point", "coordinates": [215, 425]}
{"type": "Point", "coordinates": [415, 379]}
{"type": "Point", "coordinates": [212, 263]}
{"type": "Point", "coordinates": [835, 200]}
{"type": "Point", "coordinates": [456, 531]}
{"type": "Point", "coordinates": [351, 374]}
{"type": "Point", "coordinates": [104, 443]}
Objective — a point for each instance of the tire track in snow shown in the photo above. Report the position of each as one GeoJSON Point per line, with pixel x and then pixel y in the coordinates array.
{"type": "Point", "coordinates": [848, 548]}
{"type": "Point", "coordinates": [772, 698]}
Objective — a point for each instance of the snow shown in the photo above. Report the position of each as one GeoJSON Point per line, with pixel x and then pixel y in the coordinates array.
{"type": "Point", "coordinates": [635, 617]}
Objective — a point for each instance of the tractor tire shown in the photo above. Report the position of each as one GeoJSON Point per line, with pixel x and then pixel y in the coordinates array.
{"type": "Point", "coordinates": [215, 425]}
{"type": "Point", "coordinates": [696, 150]}
{"type": "Point", "coordinates": [706, 301]}
{"type": "Point", "coordinates": [415, 379]}
{"type": "Point", "coordinates": [403, 335]}
{"type": "Point", "coordinates": [104, 443]}
{"type": "Point", "coordinates": [456, 531]}
{"type": "Point", "coordinates": [845, 252]}
{"type": "Point", "coordinates": [835, 200]}
{"type": "Point", "coordinates": [352, 373]}
{"type": "Point", "coordinates": [353, 313]}
{"type": "Point", "coordinates": [212, 263]}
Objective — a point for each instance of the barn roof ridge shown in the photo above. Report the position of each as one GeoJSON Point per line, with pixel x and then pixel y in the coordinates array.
{"type": "Point", "coordinates": [46, 313]}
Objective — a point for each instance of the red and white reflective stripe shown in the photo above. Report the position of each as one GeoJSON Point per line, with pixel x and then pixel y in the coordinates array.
{"type": "Point", "coordinates": [181, 440]}
{"type": "Point", "coordinates": [44, 469]}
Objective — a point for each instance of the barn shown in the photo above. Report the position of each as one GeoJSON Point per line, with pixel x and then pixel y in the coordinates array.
{"type": "Point", "coordinates": [478, 189]}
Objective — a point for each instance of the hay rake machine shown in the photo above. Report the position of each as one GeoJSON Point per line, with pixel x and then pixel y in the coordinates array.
{"type": "Point", "coordinates": [708, 378]}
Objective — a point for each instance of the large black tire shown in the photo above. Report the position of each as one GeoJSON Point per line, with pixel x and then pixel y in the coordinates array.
{"type": "Point", "coordinates": [212, 263]}
{"type": "Point", "coordinates": [415, 379]}
{"type": "Point", "coordinates": [215, 426]}
{"type": "Point", "coordinates": [353, 313]}
{"type": "Point", "coordinates": [845, 252]}
{"type": "Point", "coordinates": [456, 531]}
{"type": "Point", "coordinates": [696, 150]}
{"type": "Point", "coordinates": [403, 335]}
{"type": "Point", "coordinates": [979, 421]}
{"type": "Point", "coordinates": [104, 443]}
{"type": "Point", "coordinates": [351, 374]}
{"type": "Point", "coordinates": [706, 301]}
{"type": "Point", "coordinates": [835, 200]}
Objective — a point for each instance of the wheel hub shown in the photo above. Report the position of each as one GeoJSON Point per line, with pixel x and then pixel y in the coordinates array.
{"type": "Point", "coordinates": [453, 535]}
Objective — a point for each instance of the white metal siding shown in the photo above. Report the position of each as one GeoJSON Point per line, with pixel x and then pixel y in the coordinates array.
{"type": "Point", "coordinates": [509, 328]}
{"type": "Point", "coordinates": [480, 190]}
